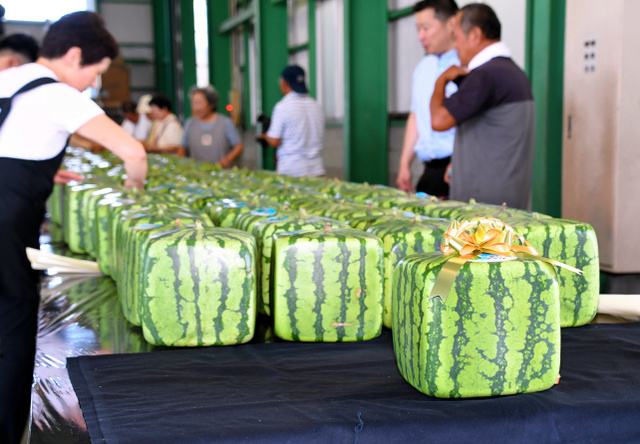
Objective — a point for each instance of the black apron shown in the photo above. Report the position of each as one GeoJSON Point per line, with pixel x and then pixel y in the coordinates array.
{"type": "Point", "coordinates": [25, 186]}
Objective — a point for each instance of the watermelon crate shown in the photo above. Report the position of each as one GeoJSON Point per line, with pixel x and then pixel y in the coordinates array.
{"type": "Point", "coordinates": [327, 286]}
{"type": "Point", "coordinates": [496, 333]}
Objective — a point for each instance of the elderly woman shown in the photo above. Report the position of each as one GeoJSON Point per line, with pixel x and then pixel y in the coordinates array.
{"type": "Point", "coordinates": [208, 135]}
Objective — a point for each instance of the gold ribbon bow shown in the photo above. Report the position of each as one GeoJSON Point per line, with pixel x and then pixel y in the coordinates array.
{"type": "Point", "coordinates": [466, 240]}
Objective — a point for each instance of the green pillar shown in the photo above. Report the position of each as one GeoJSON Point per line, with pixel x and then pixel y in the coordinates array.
{"type": "Point", "coordinates": [188, 53]}
{"type": "Point", "coordinates": [219, 51]}
{"type": "Point", "coordinates": [545, 68]}
{"type": "Point", "coordinates": [365, 120]}
{"type": "Point", "coordinates": [163, 51]}
{"type": "Point", "coordinates": [271, 42]}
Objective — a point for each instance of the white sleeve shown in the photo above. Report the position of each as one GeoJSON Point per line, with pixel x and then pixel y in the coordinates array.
{"type": "Point", "coordinates": [143, 128]}
{"type": "Point", "coordinates": [276, 129]}
{"type": "Point", "coordinates": [415, 103]}
{"type": "Point", "coordinates": [128, 126]}
{"type": "Point", "coordinates": [70, 109]}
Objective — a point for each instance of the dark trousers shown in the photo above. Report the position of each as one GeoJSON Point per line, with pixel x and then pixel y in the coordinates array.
{"type": "Point", "coordinates": [19, 298]}
{"type": "Point", "coordinates": [432, 179]}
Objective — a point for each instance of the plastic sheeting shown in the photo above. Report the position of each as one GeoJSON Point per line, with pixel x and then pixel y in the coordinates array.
{"type": "Point", "coordinates": [79, 315]}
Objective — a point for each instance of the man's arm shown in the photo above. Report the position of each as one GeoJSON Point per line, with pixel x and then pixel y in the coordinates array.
{"type": "Point", "coordinates": [272, 141]}
{"type": "Point", "coordinates": [403, 180]}
{"type": "Point", "coordinates": [274, 135]}
{"type": "Point", "coordinates": [441, 119]}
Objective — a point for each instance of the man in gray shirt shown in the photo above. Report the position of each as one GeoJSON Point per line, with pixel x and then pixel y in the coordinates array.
{"type": "Point", "coordinates": [208, 135]}
{"type": "Point", "coordinates": [493, 112]}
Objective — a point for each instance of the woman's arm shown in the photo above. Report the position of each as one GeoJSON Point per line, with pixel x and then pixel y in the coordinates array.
{"type": "Point", "coordinates": [107, 133]}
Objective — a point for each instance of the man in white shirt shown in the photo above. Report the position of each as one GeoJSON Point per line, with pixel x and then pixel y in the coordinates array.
{"type": "Point", "coordinates": [45, 105]}
{"type": "Point", "coordinates": [297, 127]}
{"type": "Point", "coordinates": [433, 148]}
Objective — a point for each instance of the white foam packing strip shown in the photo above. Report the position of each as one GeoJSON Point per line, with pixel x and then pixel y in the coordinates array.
{"type": "Point", "coordinates": [625, 306]}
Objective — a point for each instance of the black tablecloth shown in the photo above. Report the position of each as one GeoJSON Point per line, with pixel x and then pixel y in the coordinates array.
{"type": "Point", "coordinates": [351, 393]}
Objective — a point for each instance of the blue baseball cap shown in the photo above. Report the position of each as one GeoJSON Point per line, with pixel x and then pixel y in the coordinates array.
{"type": "Point", "coordinates": [294, 76]}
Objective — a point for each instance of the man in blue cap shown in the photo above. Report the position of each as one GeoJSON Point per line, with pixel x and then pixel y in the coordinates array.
{"type": "Point", "coordinates": [297, 127]}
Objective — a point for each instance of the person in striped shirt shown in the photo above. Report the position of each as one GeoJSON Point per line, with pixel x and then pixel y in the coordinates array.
{"type": "Point", "coordinates": [297, 127]}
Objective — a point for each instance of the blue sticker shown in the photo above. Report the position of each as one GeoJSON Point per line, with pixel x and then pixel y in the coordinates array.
{"type": "Point", "coordinates": [422, 195]}
{"type": "Point", "coordinates": [264, 212]}
{"type": "Point", "coordinates": [229, 203]}
{"type": "Point", "coordinates": [486, 257]}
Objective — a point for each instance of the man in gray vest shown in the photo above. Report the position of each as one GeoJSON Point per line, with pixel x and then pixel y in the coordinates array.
{"type": "Point", "coordinates": [493, 112]}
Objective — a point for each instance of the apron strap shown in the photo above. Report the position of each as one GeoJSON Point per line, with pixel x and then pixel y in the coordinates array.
{"type": "Point", "coordinates": [5, 103]}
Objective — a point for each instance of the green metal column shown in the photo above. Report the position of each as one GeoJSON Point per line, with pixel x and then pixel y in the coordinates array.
{"type": "Point", "coordinates": [219, 51]}
{"type": "Point", "coordinates": [188, 53]}
{"type": "Point", "coordinates": [272, 48]}
{"type": "Point", "coordinates": [311, 38]}
{"type": "Point", "coordinates": [545, 68]}
{"type": "Point", "coordinates": [163, 52]}
{"type": "Point", "coordinates": [365, 120]}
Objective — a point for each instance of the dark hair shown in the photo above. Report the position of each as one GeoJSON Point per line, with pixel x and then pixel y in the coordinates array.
{"type": "Point", "coordinates": [443, 9]}
{"type": "Point", "coordinates": [85, 30]}
{"type": "Point", "coordinates": [482, 16]}
{"type": "Point", "coordinates": [209, 93]}
{"type": "Point", "coordinates": [161, 101]}
{"type": "Point", "coordinates": [129, 107]}
{"type": "Point", "coordinates": [22, 44]}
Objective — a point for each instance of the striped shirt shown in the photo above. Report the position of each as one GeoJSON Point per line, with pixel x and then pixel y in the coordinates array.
{"type": "Point", "coordinates": [298, 122]}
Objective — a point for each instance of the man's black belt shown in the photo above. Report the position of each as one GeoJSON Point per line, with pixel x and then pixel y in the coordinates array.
{"type": "Point", "coordinates": [438, 163]}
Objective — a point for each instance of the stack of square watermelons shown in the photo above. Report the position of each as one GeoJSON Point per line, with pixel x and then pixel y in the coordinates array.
{"type": "Point", "coordinates": [201, 250]}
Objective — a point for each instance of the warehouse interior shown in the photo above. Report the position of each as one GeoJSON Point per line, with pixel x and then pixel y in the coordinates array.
{"type": "Point", "coordinates": [580, 57]}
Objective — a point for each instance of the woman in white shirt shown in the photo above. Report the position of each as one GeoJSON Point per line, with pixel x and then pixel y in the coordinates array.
{"type": "Point", "coordinates": [166, 131]}
{"type": "Point", "coordinates": [45, 106]}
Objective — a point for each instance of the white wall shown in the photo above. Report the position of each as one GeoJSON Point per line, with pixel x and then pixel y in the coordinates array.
{"type": "Point", "coordinates": [330, 57]}
{"type": "Point", "coordinates": [34, 29]}
{"type": "Point", "coordinates": [513, 16]}
{"type": "Point", "coordinates": [132, 24]}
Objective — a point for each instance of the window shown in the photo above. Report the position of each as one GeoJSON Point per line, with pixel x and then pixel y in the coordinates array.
{"type": "Point", "coordinates": [330, 57]}
{"type": "Point", "coordinates": [43, 10]}
{"type": "Point", "coordinates": [298, 19]}
{"type": "Point", "coordinates": [202, 42]}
